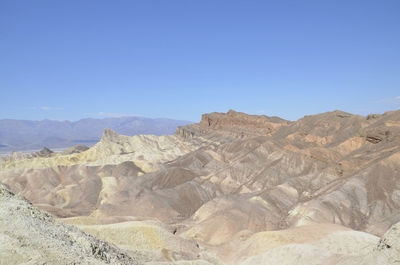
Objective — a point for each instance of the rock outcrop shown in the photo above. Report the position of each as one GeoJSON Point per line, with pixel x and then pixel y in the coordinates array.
{"type": "Point", "coordinates": [75, 149]}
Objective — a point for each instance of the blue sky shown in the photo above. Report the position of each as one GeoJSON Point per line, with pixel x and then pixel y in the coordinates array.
{"type": "Point", "coordinates": [179, 59]}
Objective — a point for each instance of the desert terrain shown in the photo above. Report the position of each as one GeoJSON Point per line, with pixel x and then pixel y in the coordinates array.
{"type": "Point", "coordinates": [232, 189]}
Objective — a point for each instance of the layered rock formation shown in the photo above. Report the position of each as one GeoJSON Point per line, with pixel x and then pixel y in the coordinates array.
{"type": "Point", "coordinates": [242, 188]}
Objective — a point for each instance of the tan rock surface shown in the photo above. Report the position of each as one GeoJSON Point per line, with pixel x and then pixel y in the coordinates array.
{"type": "Point", "coordinates": [148, 151]}
{"type": "Point", "coordinates": [30, 236]}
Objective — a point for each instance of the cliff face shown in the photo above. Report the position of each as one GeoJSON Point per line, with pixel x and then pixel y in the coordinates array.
{"type": "Point", "coordinates": [233, 124]}
{"type": "Point", "coordinates": [231, 178]}
{"type": "Point", "coordinates": [241, 124]}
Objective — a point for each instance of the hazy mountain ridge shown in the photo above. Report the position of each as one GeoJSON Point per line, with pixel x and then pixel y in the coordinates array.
{"type": "Point", "coordinates": [18, 135]}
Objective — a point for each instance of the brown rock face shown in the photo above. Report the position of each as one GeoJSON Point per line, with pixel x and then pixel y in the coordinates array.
{"type": "Point", "coordinates": [240, 124]}
{"type": "Point", "coordinates": [232, 177]}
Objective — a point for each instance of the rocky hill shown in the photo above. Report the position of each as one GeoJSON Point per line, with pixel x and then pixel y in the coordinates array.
{"type": "Point", "coordinates": [243, 189]}
{"type": "Point", "coordinates": [28, 235]}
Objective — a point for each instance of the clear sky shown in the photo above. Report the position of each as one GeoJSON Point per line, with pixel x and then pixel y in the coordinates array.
{"type": "Point", "coordinates": [179, 59]}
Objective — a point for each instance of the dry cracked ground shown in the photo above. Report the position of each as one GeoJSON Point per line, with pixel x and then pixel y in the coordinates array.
{"type": "Point", "coordinates": [231, 189]}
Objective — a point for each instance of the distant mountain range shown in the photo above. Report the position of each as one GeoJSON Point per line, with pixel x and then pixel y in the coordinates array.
{"type": "Point", "coordinates": [20, 135]}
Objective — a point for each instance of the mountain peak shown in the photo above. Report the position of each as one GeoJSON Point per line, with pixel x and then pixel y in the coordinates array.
{"type": "Point", "coordinates": [45, 152]}
{"type": "Point", "coordinates": [109, 134]}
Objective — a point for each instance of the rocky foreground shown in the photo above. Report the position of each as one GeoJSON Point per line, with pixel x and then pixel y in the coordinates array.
{"type": "Point", "coordinates": [31, 236]}
{"type": "Point", "coordinates": [232, 189]}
